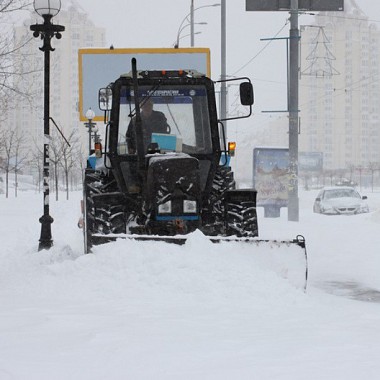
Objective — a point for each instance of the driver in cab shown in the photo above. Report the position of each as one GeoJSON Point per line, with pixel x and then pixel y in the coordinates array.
{"type": "Point", "coordinates": [152, 122]}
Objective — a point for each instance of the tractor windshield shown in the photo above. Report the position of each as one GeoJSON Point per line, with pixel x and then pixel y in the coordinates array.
{"type": "Point", "coordinates": [175, 117]}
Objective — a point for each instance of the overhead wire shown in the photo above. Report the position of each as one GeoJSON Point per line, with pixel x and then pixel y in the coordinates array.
{"type": "Point", "coordinates": [323, 96]}
{"type": "Point", "coordinates": [345, 17]}
{"type": "Point", "coordinates": [353, 86]}
{"type": "Point", "coordinates": [256, 55]}
{"type": "Point", "coordinates": [261, 50]}
{"type": "Point", "coordinates": [286, 23]}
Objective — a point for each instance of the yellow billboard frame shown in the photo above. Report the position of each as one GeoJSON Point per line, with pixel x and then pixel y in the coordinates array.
{"type": "Point", "coordinates": [99, 66]}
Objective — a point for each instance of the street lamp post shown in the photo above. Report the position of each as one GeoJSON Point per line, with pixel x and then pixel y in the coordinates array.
{"type": "Point", "coordinates": [176, 45]}
{"type": "Point", "coordinates": [47, 9]}
{"type": "Point", "coordinates": [191, 21]}
{"type": "Point", "coordinates": [223, 72]}
{"type": "Point", "coordinates": [90, 114]}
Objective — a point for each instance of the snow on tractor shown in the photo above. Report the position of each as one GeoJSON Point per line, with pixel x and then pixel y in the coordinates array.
{"type": "Point", "coordinates": [164, 171]}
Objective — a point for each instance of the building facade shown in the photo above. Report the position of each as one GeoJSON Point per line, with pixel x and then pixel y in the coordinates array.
{"type": "Point", "coordinates": [80, 32]}
{"type": "Point", "coordinates": [340, 89]}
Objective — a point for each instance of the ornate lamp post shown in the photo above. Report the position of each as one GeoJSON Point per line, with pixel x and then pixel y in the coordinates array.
{"type": "Point", "coordinates": [47, 9]}
{"type": "Point", "coordinates": [90, 114]}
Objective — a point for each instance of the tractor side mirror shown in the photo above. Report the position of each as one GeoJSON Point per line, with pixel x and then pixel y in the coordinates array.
{"type": "Point", "coordinates": [246, 94]}
{"type": "Point", "coordinates": [105, 99]}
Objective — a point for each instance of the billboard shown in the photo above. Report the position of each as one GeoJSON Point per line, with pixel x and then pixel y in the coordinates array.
{"type": "Point", "coordinates": [310, 162]}
{"type": "Point", "coordinates": [271, 178]}
{"type": "Point", "coordinates": [99, 67]}
{"type": "Point", "coordinates": [271, 175]}
{"type": "Point", "coordinates": [285, 5]}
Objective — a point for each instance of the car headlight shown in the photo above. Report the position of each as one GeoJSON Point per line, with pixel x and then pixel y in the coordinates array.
{"type": "Point", "coordinates": [165, 208]}
{"type": "Point", "coordinates": [327, 209]}
{"type": "Point", "coordinates": [189, 207]}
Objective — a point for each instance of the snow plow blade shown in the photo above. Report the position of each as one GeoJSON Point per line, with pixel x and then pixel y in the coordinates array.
{"type": "Point", "coordinates": [287, 258]}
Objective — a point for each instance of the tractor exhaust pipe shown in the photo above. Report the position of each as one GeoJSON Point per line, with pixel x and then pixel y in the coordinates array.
{"type": "Point", "coordinates": [138, 121]}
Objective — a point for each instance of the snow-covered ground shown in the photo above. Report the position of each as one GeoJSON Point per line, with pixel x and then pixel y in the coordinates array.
{"type": "Point", "coordinates": [143, 310]}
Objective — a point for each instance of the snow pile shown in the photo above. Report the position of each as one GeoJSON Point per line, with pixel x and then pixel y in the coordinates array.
{"type": "Point", "coordinates": [144, 310]}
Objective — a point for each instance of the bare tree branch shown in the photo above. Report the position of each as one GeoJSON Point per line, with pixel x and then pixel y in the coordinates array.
{"type": "Point", "coordinates": [7, 6]}
{"type": "Point", "coordinates": [13, 66]}
{"type": "Point", "coordinates": [11, 147]}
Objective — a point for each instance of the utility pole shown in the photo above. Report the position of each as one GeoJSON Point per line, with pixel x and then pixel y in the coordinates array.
{"type": "Point", "coordinates": [223, 73]}
{"type": "Point", "coordinates": [192, 23]}
{"type": "Point", "coordinates": [293, 6]}
{"type": "Point", "coordinates": [293, 201]}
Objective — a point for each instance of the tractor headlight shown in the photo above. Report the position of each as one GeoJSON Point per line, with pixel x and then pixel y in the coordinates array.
{"type": "Point", "coordinates": [165, 208]}
{"type": "Point", "coordinates": [189, 207]}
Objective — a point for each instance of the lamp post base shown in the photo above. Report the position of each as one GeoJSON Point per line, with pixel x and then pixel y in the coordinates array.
{"type": "Point", "coordinates": [46, 241]}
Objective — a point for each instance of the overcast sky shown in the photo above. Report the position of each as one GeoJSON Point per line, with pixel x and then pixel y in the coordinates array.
{"type": "Point", "coordinates": [155, 23]}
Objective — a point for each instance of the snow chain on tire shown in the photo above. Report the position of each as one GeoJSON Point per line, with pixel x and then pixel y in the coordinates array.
{"type": "Point", "coordinates": [99, 220]}
{"type": "Point", "coordinates": [223, 181]}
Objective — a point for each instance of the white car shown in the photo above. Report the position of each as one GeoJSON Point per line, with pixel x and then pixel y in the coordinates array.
{"type": "Point", "coordinates": [340, 200]}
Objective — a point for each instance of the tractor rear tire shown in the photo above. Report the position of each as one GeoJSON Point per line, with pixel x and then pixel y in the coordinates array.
{"type": "Point", "coordinates": [90, 177]}
{"type": "Point", "coordinates": [214, 213]}
{"type": "Point", "coordinates": [240, 213]}
{"type": "Point", "coordinates": [241, 219]}
{"type": "Point", "coordinates": [102, 220]}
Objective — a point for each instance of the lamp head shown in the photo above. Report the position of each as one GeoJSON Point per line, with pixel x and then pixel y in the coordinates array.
{"type": "Point", "coordinates": [47, 7]}
{"type": "Point", "coordinates": [90, 114]}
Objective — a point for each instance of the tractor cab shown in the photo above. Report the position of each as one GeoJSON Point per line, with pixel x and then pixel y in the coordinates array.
{"type": "Point", "coordinates": [167, 114]}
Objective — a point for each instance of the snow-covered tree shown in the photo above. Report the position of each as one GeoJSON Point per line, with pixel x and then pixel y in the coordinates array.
{"type": "Point", "coordinates": [14, 158]}
{"type": "Point", "coordinates": [68, 162]}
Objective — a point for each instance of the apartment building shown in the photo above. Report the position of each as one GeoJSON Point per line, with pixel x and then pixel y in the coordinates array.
{"type": "Point", "coordinates": [80, 32]}
{"type": "Point", "coordinates": [339, 95]}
